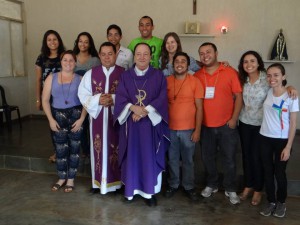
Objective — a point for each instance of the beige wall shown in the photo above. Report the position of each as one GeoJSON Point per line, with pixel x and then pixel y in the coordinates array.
{"type": "Point", "coordinates": [253, 24]}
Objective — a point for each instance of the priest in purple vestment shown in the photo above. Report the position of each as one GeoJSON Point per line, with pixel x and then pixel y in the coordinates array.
{"type": "Point", "coordinates": [96, 93]}
{"type": "Point", "coordinates": [141, 109]}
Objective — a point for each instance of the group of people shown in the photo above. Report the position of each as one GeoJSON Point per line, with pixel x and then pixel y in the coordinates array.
{"type": "Point", "coordinates": [151, 103]}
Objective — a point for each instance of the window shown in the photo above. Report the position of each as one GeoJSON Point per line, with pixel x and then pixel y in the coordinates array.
{"type": "Point", "coordinates": [11, 39]}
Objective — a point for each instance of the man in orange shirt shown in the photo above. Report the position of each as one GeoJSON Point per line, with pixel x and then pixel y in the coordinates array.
{"type": "Point", "coordinates": [222, 104]}
{"type": "Point", "coordinates": [185, 99]}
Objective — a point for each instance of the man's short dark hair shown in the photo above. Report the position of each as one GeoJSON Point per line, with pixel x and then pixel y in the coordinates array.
{"type": "Point", "coordinates": [209, 43]}
{"type": "Point", "coordinates": [181, 54]}
{"type": "Point", "coordinates": [148, 17]}
{"type": "Point", "coordinates": [108, 44]}
{"type": "Point", "coordinates": [114, 26]}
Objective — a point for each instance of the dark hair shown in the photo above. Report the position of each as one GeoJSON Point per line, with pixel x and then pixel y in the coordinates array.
{"type": "Point", "coordinates": [68, 52]}
{"type": "Point", "coordinates": [209, 43]}
{"type": "Point", "coordinates": [92, 49]}
{"type": "Point", "coordinates": [142, 43]}
{"type": "Point", "coordinates": [147, 17]}
{"type": "Point", "coordinates": [181, 54]}
{"type": "Point", "coordinates": [242, 73]}
{"type": "Point", "coordinates": [45, 51]}
{"type": "Point", "coordinates": [108, 44]}
{"type": "Point", "coordinates": [114, 26]}
{"type": "Point", "coordinates": [164, 52]}
{"type": "Point", "coordinates": [282, 70]}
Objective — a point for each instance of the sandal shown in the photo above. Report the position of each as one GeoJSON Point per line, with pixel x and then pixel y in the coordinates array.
{"type": "Point", "coordinates": [52, 158]}
{"type": "Point", "coordinates": [68, 189]}
{"type": "Point", "coordinates": [246, 193]}
{"type": "Point", "coordinates": [56, 187]}
{"type": "Point", "coordinates": [256, 199]}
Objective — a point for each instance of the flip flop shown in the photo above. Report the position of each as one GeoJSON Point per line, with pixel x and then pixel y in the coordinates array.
{"type": "Point", "coordinates": [68, 189]}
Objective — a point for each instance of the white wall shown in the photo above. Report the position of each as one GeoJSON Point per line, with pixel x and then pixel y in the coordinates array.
{"type": "Point", "coordinates": [253, 24]}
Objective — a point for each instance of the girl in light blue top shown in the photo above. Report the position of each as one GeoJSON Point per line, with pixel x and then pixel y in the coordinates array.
{"type": "Point", "coordinates": [171, 45]}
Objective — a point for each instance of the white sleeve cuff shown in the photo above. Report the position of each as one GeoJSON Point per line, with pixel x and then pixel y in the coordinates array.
{"type": "Point", "coordinates": [124, 114]}
{"type": "Point", "coordinates": [153, 115]}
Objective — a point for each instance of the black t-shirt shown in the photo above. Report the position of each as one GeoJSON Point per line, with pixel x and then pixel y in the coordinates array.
{"type": "Point", "coordinates": [48, 65]}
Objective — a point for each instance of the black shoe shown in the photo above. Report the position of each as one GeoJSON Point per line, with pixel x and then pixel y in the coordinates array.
{"type": "Point", "coordinates": [127, 201]}
{"type": "Point", "coordinates": [192, 194]}
{"type": "Point", "coordinates": [151, 202]}
{"type": "Point", "coordinates": [94, 190]}
{"type": "Point", "coordinates": [170, 192]}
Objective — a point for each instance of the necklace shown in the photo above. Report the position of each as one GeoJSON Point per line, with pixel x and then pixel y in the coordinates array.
{"type": "Point", "coordinates": [141, 94]}
{"type": "Point", "coordinates": [62, 88]}
{"type": "Point", "coordinates": [175, 95]}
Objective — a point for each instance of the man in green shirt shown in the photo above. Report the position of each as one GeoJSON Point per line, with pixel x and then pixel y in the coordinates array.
{"type": "Point", "coordinates": [146, 27]}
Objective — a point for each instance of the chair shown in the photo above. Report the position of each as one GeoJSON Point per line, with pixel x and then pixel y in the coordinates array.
{"type": "Point", "coordinates": [6, 110]}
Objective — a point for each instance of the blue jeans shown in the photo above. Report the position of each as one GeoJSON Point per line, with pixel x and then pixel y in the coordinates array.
{"type": "Point", "coordinates": [181, 146]}
{"type": "Point", "coordinates": [223, 139]}
{"type": "Point", "coordinates": [67, 143]}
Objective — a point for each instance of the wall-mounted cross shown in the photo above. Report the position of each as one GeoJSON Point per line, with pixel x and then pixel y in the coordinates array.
{"type": "Point", "coordinates": [194, 7]}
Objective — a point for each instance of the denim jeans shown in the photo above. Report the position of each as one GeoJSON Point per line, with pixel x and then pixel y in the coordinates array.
{"type": "Point", "coordinates": [274, 168]}
{"type": "Point", "coordinates": [67, 143]}
{"type": "Point", "coordinates": [223, 139]}
{"type": "Point", "coordinates": [181, 146]}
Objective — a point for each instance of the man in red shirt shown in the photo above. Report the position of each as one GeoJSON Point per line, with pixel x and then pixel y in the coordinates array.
{"type": "Point", "coordinates": [221, 107]}
{"type": "Point", "coordinates": [185, 99]}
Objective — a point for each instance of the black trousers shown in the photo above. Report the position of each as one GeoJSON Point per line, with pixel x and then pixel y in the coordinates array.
{"type": "Point", "coordinates": [252, 163]}
{"type": "Point", "coordinates": [274, 168]}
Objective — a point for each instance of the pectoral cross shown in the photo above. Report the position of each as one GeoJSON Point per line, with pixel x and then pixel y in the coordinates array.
{"type": "Point", "coordinates": [194, 7]}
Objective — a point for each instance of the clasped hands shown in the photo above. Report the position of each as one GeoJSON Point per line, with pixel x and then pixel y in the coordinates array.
{"type": "Point", "coordinates": [138, 112]}
{"type": "Point", "coordinates": [106, 100]}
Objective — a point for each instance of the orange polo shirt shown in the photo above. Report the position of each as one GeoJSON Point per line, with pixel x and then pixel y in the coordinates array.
{"type": "Point", "coordinates": [218, 111]}
{"type": "Point", "coordinates": [181, 98]}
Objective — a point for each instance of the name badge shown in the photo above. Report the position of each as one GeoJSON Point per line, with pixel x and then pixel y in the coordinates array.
{"type": "Point", "coordinates": [209, 92]}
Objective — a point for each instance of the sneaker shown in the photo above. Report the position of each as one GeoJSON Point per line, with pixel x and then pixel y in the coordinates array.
{"type": "Point", "coordinates": [192, 194]}
{"type": "Point", "coordinates": [233, 197]}
{"type": "Point", "coordinates": [170, 192]}
{"type": "Point", "coordinates": [280, 210]}
{"type": "Point", "coordinates": [208, 191]}
{"type": "Point", "coordinates": [269, 209]}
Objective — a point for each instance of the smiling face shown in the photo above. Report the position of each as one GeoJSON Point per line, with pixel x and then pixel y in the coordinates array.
{"type": "Point", "coordinates": [250, 64]}
{"type": "Point", "coordinates": [275, 77]}
{"type": "Point", "coordinates": [52, 42]}
{"type": "Point", "coordinates": [180, 65]}
{"type": "Point", "coordinates": [171, 45]}
{"type": "Point", "coordinates": [208, 56]}
{"type": "Point", "coordinates": [107, 56]}
{"type": "Point", "coordinates": [114, 37]}
{"type": "Point", "coordinates": [68, 63]}
{"type": "Point", "coordinates": [83, 43]}
{"type": "Point", "coordinates": [146, 28]}
{"type": "Point", "coordinates": [142, 56]}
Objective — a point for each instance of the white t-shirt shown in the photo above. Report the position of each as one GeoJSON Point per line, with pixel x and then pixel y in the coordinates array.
{"type": "Point", "coordinates": [276, 119]}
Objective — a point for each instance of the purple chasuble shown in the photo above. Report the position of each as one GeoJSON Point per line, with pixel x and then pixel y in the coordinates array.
{"type": "Point", "coordinates": [142, 146]}
{"type": "Point", "coordinates": [98, 80]}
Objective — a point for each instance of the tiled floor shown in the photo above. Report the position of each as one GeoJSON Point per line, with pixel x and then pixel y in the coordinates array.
{"type": "Point", "coordinates": [26, 198]}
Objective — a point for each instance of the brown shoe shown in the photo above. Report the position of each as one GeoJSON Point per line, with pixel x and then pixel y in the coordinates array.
{"type": "Point", "coordinates": [246, 193]}
{"type": "Point", "coordinates": [256, 199]}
